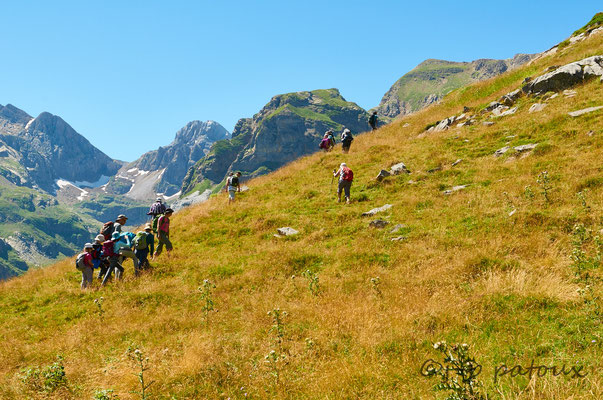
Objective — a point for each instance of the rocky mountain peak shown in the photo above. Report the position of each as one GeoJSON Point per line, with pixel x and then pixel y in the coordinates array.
{"type": "Point", "coordinates": [13, 114]}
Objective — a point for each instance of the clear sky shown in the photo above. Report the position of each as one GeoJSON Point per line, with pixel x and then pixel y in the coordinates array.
{"type": "Point", "coordinates": [128, 74]}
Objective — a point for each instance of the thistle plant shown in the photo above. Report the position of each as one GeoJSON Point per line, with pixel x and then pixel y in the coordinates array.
{"type": "Point", "coordinates": [510, 205]}
{"type": "Point", "coordinates": [105, 395]}
{"type": "Point", "coordinates": [313, 282]}
{"type": "Point", "coordinates": [458, 372]}
{"type": "Point", "coordinates": [376, 286]}
{"type": "Point", "coordinates": [206, 296]}
{"type": "Point", "coordinates": [46, 379]}
{"type": "Point", "coordinates": [582, 199]}
{"type": "Point", "coordinates": [528, 193]}
{"type": "Point", "coordinates": [99, 307]}
{"type": "Point", "coordinates": [276, 358]}
{"type": "Point", "coordinates": [142, 364]}
{"type": "Point", "coordinates": [544, 181]}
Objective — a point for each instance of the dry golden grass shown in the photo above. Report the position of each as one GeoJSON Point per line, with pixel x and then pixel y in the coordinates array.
{"type": "Point", "coordinates": [467, 272]}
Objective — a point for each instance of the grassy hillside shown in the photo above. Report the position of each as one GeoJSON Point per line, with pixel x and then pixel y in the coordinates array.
{"type": "Point", "coordinates": [362, 311]}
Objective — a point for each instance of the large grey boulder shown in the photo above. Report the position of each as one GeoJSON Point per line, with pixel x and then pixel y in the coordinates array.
{"type": "Point", "coordinates": [501, 151]}
{"type": "Point", "coordinates": [382, 175]}
{"type": "Point", "coordinates": [510, 98]}
{"type": "Point", "coordinates": [566, 76]}
{"type": "Point", "coordinates": [525, 147]}
{"type": "Point", "coordinates": [287, 231]}
{"type": "Point", "coordinates": [398, 169]}
{"type": "Point", "coordinates": [537, 107]}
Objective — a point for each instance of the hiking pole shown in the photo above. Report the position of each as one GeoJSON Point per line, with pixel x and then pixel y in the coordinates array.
{"type": "Point", "coordinates": [332, 177]}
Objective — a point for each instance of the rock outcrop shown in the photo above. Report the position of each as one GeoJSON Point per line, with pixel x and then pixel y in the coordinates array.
{"type": "Point", "coordinates": [566, 76]}
{"type": "Point", "coordinates": [288, 127]}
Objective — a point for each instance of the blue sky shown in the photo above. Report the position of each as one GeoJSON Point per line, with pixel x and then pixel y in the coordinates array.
{"type": "Point", "coordinates": [128, 74]}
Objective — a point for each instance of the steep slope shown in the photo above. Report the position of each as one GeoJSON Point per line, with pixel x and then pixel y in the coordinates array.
{"type": "Point", "coordinates": [288, 127]}
{"type": "Point", "coordinates": [161, 171]}
{"type": "Point", "coordinates": [431, 80]}
{"type": "Point", "coordinates": [341, 310]}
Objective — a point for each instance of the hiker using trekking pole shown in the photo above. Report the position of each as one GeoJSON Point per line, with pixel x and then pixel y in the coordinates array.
{"type": "Point", "coordinates": [163, 233]}
{"type": "Point", "coordinates": [233, 185]}
{"type": "Point", "coordinates": [346, 140]}
{"type": "Point", "coordinates": [157, 208]}
{"type": "Point", "coordinates": [83, 263]}
{"type": "Point", "coordinates": [331, 139]}
{"type": "Point", "coordinates": [144, 242]}
{"type": "Point", "coordinates": [113, 257]}
{"type": "Point", "coordinates": [373, 121]}
{"type": "Point", "coordinates": [346, 176]}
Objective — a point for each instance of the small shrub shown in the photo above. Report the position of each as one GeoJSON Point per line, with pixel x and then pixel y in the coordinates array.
{"type": "Point", "coordinates": [313, 282]}
{"type": "Point", "coordinates": [206, 296]}
{"type": "Point", "coordinates": [376, 286]}
{"type": "Point", "coordinates": [106, 394]}
{"type": "Point", "coordinates": [544, 181]}
{"type": "Point", "coordinates": [46, 379]}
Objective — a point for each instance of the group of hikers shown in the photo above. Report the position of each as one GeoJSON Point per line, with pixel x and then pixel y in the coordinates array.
{"type": "Point", "coordinates": [114, 244]}
{"type": "Point", "coordinates": [328, 141]}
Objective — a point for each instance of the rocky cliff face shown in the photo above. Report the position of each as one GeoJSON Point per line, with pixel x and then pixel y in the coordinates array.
{"type": "Point", "coordinates": [289, 126]}
{"type": "Point", "coordinates": [48, 149]}
{"type": "Point", "coordinates": [161, 171]}
{"type": "Point", "coordinates": [432, 79]}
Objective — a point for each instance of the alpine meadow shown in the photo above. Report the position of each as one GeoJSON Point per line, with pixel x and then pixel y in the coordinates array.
{"type": "Point", "coordinates": [482, 280]}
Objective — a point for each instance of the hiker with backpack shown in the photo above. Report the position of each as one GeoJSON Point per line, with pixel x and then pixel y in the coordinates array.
{"type": "Point", "coordinates": [373, 121]}
{"type": "Point", "coordinates": [120, 221]}
{"type": "Point", "coordinates": [346, 140]}
{"type": "Point", "coordinates": [123, 246]}
{"type": "Point", "coordinates": [233, 186]}
{"type": "Point", "coordinates": [144, 243]}
{"type": "Point", "coordinates": [163, 233]}
{"type": "Point", "coordinates": [325, 143]}
{"type": "Point", "coordinates": [331, 138]}
{"type": "Point", "coordinates": [346, 176]}
{"type": "Point", "coordinates": [97, 256]}
{"type": "Point", "coordinates": [83, 263]}
{"type": "Point", "coordinates": [113, 257]}
{"type": "Point", "coordinates": [157, 208]}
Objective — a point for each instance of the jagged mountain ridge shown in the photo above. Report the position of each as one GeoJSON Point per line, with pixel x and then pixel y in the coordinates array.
{"type": "Point", "coordinates": [161, 171]}
{"type": "Point", "coordinates": [429, 81]}
{"type": "Point", "coordinates": [286, 128]}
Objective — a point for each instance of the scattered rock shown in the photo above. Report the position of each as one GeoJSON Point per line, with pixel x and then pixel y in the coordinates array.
{"type": "Point", "coordinates": [378, 223]}
{"type": "Point", "coordinates": [499, 110]}
{"type": "Point", "coordinates": [457, 162]}
{"type": "Point", "coordinates": [590, 133]}
{"type": "Point", "coordinates": [492, 106]}
{"type": "Point", "coordinates": [287, 231]}
{"type": "Point", "coordinates": [488, 123]}
{"type": "Point", "coordinates": [566, 76]}
{"type": "Point", "coordinates": [525, 147]}
{"type": "Point", "coordinates": [527, 79]}
{"type": "Point", "coordinates": [376, 210]}
{"type": "Point", "coordinates": [396, 228]}
{"type": "Point", "coordinates": [195, 198]}
{"type": "Point", "coordinates": [578, 38]}
{"type": "Point", "coordinates": [584, 111]}
{"type": "Point", "coordinates": [436, 169]}
{"type": "Point", "coordinates": [502, 151]}
{"type": "Point", "coordinates": [537, 107]}
{"type": "Point", "coordinates": [444, 124]}
{"type": "Point", "coordinates": [512, 212]}
{"type": "Point", "coordinates": [399, 238]}
{"type": "Point", "coordinates": [454, 189]}
{"type": "Point", "coordinates": [398, 169]}
{"type": "Point", "coordinates": [510, 137]}
{"type": "Point", "coordinates": [382, 174]}
{"type": "Point", "coordinates": [510, 98]}
{"type": "Point", "coordinates": [510, 111]}
{"type": "Point", "coordinates": [406, 125]}
{"type": "Point", "coordinates": [570, 93]}
{"type": "Point", "coordinates": [553, 96]}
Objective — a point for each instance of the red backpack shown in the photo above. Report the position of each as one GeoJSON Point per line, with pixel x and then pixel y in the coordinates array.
{"type": "Point", "coordinates": [347, 174]}
{"type": "Point", "coordinates": [324, 144]}
{"type": "Point", "coordinates": [107, 229]}
{"type": "Point", "coordinates": [108, 249]}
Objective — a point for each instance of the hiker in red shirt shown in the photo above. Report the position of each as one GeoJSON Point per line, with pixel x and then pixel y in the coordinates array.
{"type": "Point", "coordinates": [346, 176]}
{"type": "Point", "coordinates": [163, 233]}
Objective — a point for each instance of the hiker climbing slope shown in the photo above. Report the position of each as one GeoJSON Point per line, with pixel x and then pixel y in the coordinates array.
{"type": "Point", "coordinates": [233, 185]}
{"type": "Point", "coordinates": [163, 233]}
{"type": "Point", "coordinates": [373, 120]}
{"type": "Point", "coordinates": [157, 208]}
{"type": "Point", "coordinates": [346, 140]}
{"type": "Point", "coordinates": [346, 176]}
{"type": "Point", "coordinates": [83, 263]}
{"type": "Point", "coordinates": [144, 242]}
